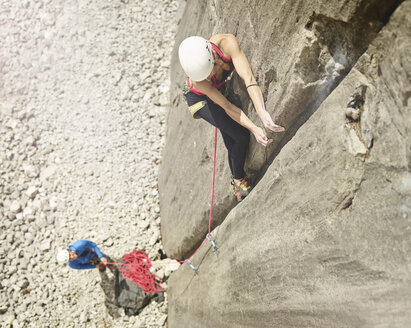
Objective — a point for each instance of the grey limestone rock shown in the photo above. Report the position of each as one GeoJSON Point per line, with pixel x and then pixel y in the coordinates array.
{"type": "Point", "coordinates": [31, 170]}
{"type": "Point", "coordinates": [15, 206]}
{"type": "Point", "coordinates": [298, 59]}
{"type": "Point", "coordinates": [323, 240]}
{"type": "Point", "coordinates": [31, 192]}
{"type": "Point", "coordinates": [45, 245]}
{"type": "Point", "coordinates": [47, 172]}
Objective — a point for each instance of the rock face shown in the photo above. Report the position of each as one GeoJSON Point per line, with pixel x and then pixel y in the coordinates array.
{"type": "Point", "coordinates": [299, 53]}
{"type": "Point", "coordinates": [324, 238]}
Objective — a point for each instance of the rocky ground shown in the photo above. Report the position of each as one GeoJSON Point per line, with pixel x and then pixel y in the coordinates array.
{"type": "Point", "coordinates": [83, 96]}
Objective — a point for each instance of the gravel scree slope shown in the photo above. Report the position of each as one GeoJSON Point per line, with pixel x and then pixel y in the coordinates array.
{"type": "Point", "coordinates": [83, 96]}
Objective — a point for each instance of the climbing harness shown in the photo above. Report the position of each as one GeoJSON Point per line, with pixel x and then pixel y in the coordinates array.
{"type": "Point", "coordinates": [193, 109]}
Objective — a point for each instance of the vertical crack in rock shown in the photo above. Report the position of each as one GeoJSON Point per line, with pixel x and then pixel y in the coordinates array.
{"type": "Point", "coordinates": [333, 48]}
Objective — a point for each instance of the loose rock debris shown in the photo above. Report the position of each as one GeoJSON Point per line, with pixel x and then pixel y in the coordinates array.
{"type": "Point", "coordinates": [80, 147]}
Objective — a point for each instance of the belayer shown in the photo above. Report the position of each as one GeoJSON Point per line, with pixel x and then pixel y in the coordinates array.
{"type": "Point", "coordinates": [83, 254]}
{"type": "Point", "coordinates": [208, 64]}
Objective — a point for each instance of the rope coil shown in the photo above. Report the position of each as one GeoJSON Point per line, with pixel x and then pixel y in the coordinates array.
{"type": "Point", "coordinates": [136, 268]}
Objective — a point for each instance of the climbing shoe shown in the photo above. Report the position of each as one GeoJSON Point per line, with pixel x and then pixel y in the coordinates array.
{"type": "Point", "coordinates": [241, 189]}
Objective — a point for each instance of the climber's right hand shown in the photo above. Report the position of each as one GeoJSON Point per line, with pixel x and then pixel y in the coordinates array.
{"type": "Point", "coordinates": [261, 137]}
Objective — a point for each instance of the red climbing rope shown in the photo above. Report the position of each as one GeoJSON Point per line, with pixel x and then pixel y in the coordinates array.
{"type": "Point", "coordinates": [212, 197]}
{"type": "Point", "coordinates": [136, 268]}
{"type": "Point", "coordinates": [212, 189]}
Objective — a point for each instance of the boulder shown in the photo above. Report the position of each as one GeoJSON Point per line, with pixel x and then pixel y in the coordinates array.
{"type": "Point", "coordinates": [299, 54]}
{"type": "Point", "coordinates": [323, 240]}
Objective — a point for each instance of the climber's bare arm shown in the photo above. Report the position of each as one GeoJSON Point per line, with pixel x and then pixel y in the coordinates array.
{"type": "Point", "coordinates": [233, 111]}
{"type": "Point", "coordinates": [230, 46]}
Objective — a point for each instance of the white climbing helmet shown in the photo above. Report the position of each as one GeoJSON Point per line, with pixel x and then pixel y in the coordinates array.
{"type": "Point", "coordinates": [196, 57]}
{"type": "Point", "coordinates": [63, 256]}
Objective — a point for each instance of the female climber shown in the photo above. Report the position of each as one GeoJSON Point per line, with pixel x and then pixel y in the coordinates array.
{"type": "Point", "coordinates": [208, 64]}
